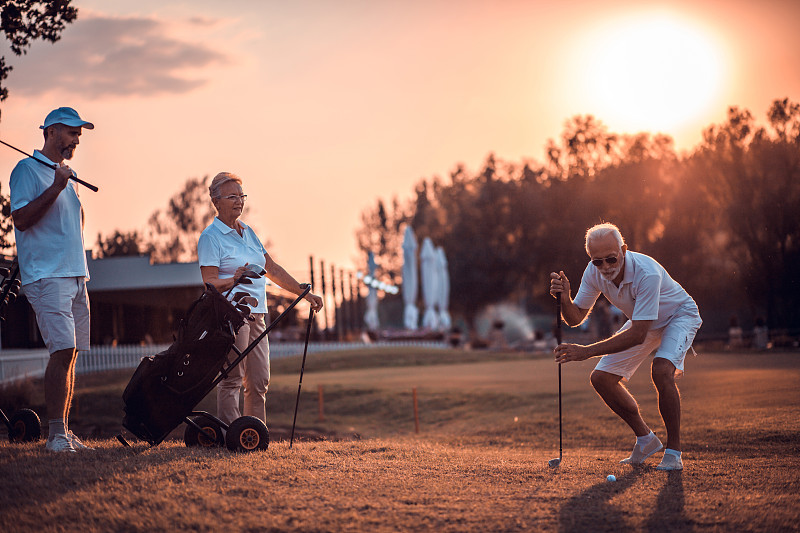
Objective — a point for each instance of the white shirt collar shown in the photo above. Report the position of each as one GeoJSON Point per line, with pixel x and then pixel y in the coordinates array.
{"type": "Point", "coordinates": [223, 227]}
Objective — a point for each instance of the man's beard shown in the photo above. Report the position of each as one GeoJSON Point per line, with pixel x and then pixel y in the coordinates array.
{"type": "Point", "coordinates": [613, 273]}
{"type": "Point", "coordinates": [68, 152]}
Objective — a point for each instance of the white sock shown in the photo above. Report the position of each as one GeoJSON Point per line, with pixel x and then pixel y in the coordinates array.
{"type": "Point", "coordinates": [56, 426]}
{"type": "Point", "coordinates": [670, 451]}
{"type": "Point", "coordinates": [641, 441]}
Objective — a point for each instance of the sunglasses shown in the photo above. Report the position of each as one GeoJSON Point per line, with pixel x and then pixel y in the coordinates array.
{"type": "Point", "coordinates": [610, 260]}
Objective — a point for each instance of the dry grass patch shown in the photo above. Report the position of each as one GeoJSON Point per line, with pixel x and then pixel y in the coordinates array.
{"type": "Point", "coordinates": [479, 463]}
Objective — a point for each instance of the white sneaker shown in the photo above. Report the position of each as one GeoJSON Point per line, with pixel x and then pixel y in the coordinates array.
{"type": "Point", "coordinates": [640, 453]}
{"type": "Point", "coordinates": [59, 443]}
{"type": "Point", "coordinates": [76, 442]}
{"type": "Point", "coordinates": [670, 462]}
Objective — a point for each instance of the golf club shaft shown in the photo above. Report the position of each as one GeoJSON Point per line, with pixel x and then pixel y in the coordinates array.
{"type": "Point", "coordinates": [48, 165]}
{"type": "Point", "coordinates": [302, 368]}
{"type": "Point", "coordinates": [558, 340]}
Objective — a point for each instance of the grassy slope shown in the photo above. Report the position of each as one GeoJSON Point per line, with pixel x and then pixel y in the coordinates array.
{"type": "Point", "coordinates": [488, 428]}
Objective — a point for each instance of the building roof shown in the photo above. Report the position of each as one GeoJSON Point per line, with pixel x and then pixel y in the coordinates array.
{"type": "Point", "coordinates": [137, 272]}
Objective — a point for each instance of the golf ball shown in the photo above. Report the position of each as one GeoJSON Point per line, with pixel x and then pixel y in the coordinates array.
{"type": "Point", "coordinates": [611, 477]}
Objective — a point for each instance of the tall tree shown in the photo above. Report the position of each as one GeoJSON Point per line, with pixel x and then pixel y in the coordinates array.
{"type": "Point", "coordinates": [751, 176]}
{"type": "Point", "coordinates": [381, 234]}
{"type": "Point", "coordinates": [23, 21]}
{"type": "Point", "coordinates": [119, 244]}
{"type": "Point", "coordinates": [171, 234]}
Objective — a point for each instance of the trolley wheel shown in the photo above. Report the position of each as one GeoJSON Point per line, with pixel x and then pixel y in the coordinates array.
{"type": "Point", "coordinates": [193, 437]}
{"type": "Point", "coordinates": [247, 434]}
{"type": "Point", "coordinates": [26, 426]}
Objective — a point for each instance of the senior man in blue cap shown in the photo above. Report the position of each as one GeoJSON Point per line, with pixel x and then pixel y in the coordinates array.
{"type": "Point", "coordinates": [48, 225]}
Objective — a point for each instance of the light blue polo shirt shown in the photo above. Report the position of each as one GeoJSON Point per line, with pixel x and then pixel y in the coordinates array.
{"type": "Point", "coordinates": [53, 247]}
{"type": "Point", "coordinates": [647, 291]}
{"type": "Point", "coordinates": [221, 246]}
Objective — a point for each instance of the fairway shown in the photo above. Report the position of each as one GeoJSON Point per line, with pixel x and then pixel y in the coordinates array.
{"type": "Point", "coordinates": [488, 426]}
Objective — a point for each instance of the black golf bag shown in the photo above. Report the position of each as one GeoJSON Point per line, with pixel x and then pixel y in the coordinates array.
{"type": "Point", "coordinates": [166, 387]}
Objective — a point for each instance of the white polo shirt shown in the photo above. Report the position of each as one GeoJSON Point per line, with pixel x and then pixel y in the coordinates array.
{"type": "Point", "coordinates": [221, 246]}
{"type": "Point", "coordinates": [53, 247]}
{"type": "Point", "coordinates": [647, 292]}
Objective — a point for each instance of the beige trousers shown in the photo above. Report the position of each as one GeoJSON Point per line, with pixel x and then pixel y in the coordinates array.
{"type": "Point", "coordinates": [252, 373]}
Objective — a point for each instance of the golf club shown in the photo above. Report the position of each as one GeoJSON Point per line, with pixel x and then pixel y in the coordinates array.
{"type": "Point", "coordinates": [10, 288]}
{"type": "Point", "coordinates": [553, 463]}
{"type": "Point", "coordinates": [48, 165]}
{"type": "Point", "coordinates": [302, 367]}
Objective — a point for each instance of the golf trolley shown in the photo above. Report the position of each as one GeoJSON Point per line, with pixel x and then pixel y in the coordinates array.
{"type": "Point", "coordinates": [23, 425]}
{"type": "Point", "coordinates": [165, 389]}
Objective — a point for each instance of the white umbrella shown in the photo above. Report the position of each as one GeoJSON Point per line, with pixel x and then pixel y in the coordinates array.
{"type": "Point", "coordinates": [444, 291]}
{"type": "Point", "coordinates": [430, 283]}
{"type": "Point", "coordinates": [371, 316]}
{"type": "Point", "coordinates": [410, 279]}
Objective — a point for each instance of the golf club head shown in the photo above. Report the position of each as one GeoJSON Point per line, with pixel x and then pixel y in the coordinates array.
{"type": "Point", "coordinates": [244, 310]}
{"type": "Point", "coordinates": [238, 296]}
{"type": "Point", "coordinates": [249, 301]}
{"type": "Point", "coordinates": [554, 463]}
{"type": "Point", "coordinates": [4, 272]}
{"type": "Point", "coordinates": [254, 271]}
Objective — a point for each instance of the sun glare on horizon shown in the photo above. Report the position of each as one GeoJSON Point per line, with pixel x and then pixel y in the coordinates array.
{"type": "Point", "coordinates": [651, 72]}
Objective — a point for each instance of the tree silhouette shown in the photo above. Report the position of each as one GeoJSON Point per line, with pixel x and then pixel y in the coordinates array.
{"type": "Point", "coordinates": [172, 233]}
{"type": "Point", "coordinates": [119, 244]}
{"type": "Point", "coordinates": [23, 21]}
{"type": "Point", "coordinates": [722, 219]}
{"type": "Point", "coordinates": [751, 176]}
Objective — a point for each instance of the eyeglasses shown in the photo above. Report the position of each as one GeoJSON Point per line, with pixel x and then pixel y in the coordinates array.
{"type": "Point", "coordinates": [610, 260]}
{"type": "Point", "coordinates": [235, 197]}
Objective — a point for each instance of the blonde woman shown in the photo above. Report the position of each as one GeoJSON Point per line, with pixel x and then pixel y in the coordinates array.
{"type": "Point", "coordinates": [227, 249]}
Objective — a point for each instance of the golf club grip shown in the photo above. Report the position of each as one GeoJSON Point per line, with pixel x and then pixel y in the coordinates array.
{"type": "Point", "coordinates": [558, 318]}
{"type": "Point", "coordinates": [85, 184]}
{"type": "Point", "coordinates": [74, 174]}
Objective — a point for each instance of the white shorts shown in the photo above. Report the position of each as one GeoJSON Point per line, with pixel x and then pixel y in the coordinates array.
{"type": "Point", "coordinates": [62, 311]}
{"type": "Point", "coordinates": [672, 342]}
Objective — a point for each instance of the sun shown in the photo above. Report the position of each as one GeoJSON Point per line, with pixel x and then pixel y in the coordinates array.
{"type": "Point", "coordinates": [651, 71]}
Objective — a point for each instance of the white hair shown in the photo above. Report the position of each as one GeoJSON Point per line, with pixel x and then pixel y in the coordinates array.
{"type": "Point", "coordinates": [221, 179]}
{"type": "Point", "coordinates": [600, 231]}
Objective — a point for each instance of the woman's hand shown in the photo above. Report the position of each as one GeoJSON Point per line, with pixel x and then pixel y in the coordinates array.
{"type": "Point", "coordinates": [315, 301]}
{"type": "Point", "coordinates": [241, 271]}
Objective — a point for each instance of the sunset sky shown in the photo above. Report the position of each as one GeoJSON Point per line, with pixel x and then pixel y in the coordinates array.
{"type": "Point", "coordinates": [324, 106]}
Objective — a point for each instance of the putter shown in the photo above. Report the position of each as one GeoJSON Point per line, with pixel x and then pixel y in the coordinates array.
{"type": "Point", "coordinates": [553, 463]}
{"type": "Point", "coordinates": [302, 367]}
{"type": "Point", "coordinates": [48, 165]}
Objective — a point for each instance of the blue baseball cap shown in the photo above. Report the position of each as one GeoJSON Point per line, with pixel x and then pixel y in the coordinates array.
{"type": "Point", "coordinates": [66, 116]}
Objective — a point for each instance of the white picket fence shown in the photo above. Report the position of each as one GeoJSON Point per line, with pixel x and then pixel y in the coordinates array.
{"type": "Point", "coordinates": [19, 364]}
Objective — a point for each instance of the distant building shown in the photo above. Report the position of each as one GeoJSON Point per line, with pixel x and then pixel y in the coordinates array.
{"type": "Point", "coordinates": [132, 302]}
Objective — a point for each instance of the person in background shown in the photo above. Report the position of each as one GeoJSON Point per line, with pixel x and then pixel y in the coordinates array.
{"type": "Point", "coordinates": [227, 250]}
{"type": "Point", "coordinates": [760, 335]}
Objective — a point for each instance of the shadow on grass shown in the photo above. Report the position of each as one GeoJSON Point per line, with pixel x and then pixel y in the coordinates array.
{"type": "Point", "coordinates": [591, 510]}
{"type": "Point", "coordinates": [34, 477]}
{"type": "Point", "coordinates": [668, 512]}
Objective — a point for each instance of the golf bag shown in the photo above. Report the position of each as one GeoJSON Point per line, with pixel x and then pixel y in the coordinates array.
{"type": "Point", "coordinates": [167, 386]}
